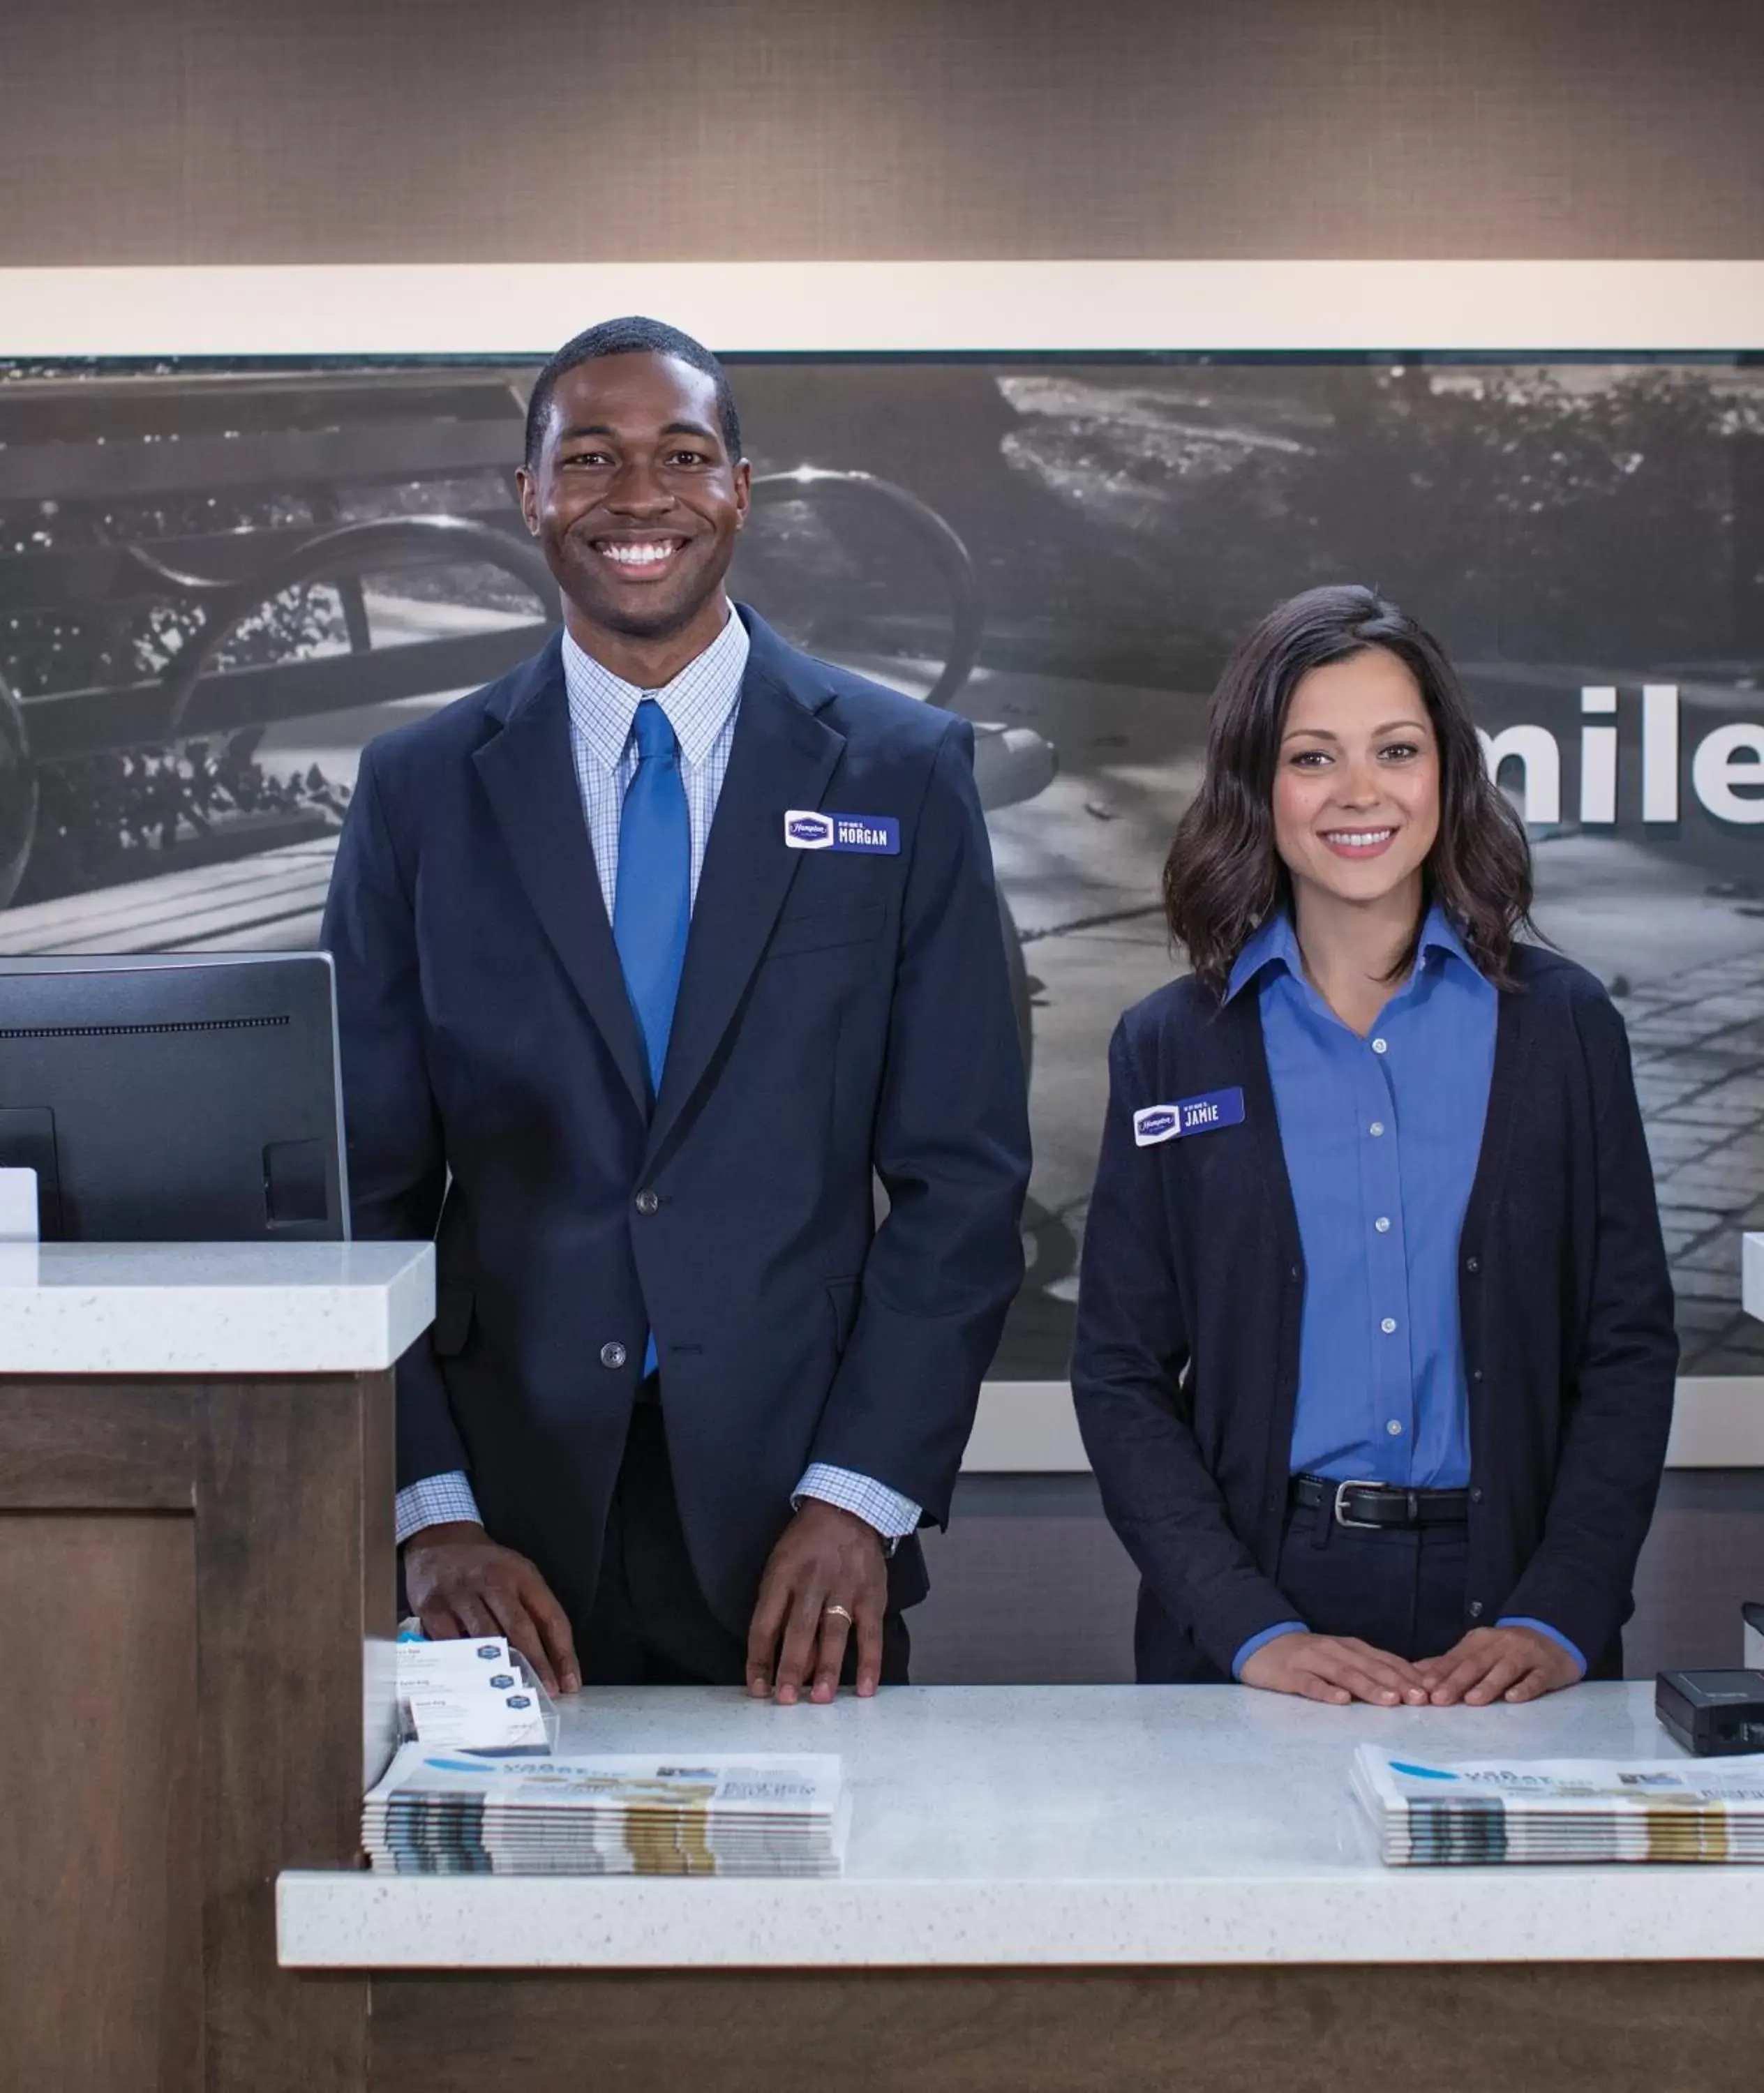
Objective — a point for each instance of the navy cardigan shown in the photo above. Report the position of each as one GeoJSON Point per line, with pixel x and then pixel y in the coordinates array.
{"type": "Point", "coordinates": [1187, 1362]}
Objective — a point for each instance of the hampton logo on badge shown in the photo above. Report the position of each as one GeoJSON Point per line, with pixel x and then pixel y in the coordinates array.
{"type": "Point", "coordinates": [875, 835]}
{"type": "Point", "coordinates": [1202, 1115]}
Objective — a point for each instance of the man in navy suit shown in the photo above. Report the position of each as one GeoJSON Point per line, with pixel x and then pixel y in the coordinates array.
{"type": "Point", "coordinates": [651, 958]}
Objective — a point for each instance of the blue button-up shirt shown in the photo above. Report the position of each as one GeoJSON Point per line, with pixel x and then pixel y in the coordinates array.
{"type": "Point", "coordinates": [1381, 1137]}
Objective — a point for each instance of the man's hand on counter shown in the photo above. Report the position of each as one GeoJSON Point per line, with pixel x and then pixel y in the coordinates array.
{"type": "Point", "coordinates": [1338, 1669]}
{"type": "Point", "coordinates": [1510, 1663]}
{"type": "Point", "coordinates": [460, 1582]}
{"type": "Point", "coordinates": [827, 1558]}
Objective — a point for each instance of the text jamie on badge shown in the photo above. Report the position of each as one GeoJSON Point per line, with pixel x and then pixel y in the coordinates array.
{"type": "Point", "coordinates": [1155, 1124]}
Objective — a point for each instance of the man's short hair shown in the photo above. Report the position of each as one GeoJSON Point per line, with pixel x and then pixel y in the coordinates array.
{"type": "Point", "coordinates": [633, 335]}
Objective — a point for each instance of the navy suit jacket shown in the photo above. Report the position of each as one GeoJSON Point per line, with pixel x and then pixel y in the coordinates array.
{"type": "Point", "coordinates": [839, 1015]}
{"type": "Point", "coordinates": [1186, 1368]}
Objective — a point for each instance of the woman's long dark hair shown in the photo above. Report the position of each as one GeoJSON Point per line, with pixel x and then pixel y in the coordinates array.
{"type": "Point", "coordinates": [1224, 876]}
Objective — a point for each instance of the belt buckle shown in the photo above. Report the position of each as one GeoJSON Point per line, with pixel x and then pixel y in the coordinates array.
{"type": "Point", "coordinates": [1342, 1519]}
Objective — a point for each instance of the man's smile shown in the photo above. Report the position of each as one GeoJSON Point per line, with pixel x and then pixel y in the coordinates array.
{"type": "Point", "coordinates": [646, 558]}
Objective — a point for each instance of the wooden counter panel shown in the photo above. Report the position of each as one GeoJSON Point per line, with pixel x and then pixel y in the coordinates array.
{"type": "Point", "coordinates": [1521, 2029]}
{"type": "Point", "coordinates": [190, 1568]}
{"type": "Point", "coordinates": [294, 1568]}
{"type": "Point", "coordinates": [101, 1972]}
{"type": "Point", "coordinates": [69, 1446]}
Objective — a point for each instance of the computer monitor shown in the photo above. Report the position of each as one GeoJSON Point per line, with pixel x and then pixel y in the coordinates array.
{"type": "Point", "coordinates": [175, 1099]}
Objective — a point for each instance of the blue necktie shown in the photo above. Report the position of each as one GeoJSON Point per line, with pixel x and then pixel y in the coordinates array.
{"type": "Point", "coordinates": [653, 908]}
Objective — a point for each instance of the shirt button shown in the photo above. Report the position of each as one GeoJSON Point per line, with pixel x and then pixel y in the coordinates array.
{"type": "Point", "coordinates": [1475, 1497]}
{"type": "Point", "coordinates": [1394, 1428]}
{"type": "Point", "coordinates": [1377, 1126]}
{"type": "Point", "coordinates": [1475, 1609]}
{"type": "Point", "coordinates": [1388, 1325]}
{"type": "Point", "coordinates": [1477, 1374]}
{"type": "Point", "coordinates": [1383, 1225]}
{"type": "Point", "coordinates": [613, 1355]}
{"type": "Point", "coordinates": [649, 1203]}
{"type": "Point", "coordinates": [1380, 1047]}
{"type": "Point", "coordinates": [1471, 1264]}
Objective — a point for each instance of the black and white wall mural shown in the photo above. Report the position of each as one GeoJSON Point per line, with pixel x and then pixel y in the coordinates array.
{"type": "Point", "coordinates": [218, 581]}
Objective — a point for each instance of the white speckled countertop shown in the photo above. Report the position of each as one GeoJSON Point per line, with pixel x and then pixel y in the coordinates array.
{"type": "Point", "coordinates": [211, 1308]}
{"type": "Point", "coordinates": [1063, 1825]}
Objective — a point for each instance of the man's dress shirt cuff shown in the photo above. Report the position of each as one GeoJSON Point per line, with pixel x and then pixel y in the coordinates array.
{"type": "Point", "coordinates": [439, 1498]}
{"type": "Point", "coordinates": [433, 1501]}
{"type": "Point", "coordinates": [1543, 1627]}
{"type": "Point", "coordinates": [1256, 1641]}
{"type": "Point", "coordinates": [893, 1516]}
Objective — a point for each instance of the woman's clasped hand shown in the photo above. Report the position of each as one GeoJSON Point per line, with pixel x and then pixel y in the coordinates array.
{"type": "Point", "coordinates": [1510, 1663]}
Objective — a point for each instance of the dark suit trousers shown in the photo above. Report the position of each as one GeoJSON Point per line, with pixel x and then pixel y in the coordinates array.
{"type": "Point", "coordinates": [1400, 1591]}
{"type": "Point", "coordinates": [650, 1624]}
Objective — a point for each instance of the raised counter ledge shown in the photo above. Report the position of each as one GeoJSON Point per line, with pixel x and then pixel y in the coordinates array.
{"type": "Point", "coordinates": [211, 1308]}
{"type": "Point", "coordinates": [1060, 1825]}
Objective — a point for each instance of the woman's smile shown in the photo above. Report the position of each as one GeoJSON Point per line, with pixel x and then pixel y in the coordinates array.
{"type": "Point", "coordinates": [1359, 843]}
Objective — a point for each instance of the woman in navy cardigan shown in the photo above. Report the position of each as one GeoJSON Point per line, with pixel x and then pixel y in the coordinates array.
{"type": "Point", "coordinates": [1374, 1353]}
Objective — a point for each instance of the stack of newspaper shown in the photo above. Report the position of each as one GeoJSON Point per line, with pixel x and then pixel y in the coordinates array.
{"type": "Point", "coordinates": [453, 1812]}
{"type": "Point", "coordinates": [1525, 1810]}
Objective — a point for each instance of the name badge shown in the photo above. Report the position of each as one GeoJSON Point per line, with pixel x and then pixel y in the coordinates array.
{"type": "Point", "coordinates": [874, 835]}
{"type": "Point", "coordinates": [1201, 1115]}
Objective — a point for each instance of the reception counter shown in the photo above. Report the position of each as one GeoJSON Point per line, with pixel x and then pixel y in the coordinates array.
{"type": "Point", "coordinates": [1047, 1887]}
{"type": "Point", "coordinates": [1068, 1887]}
{"type": "Point", "coordinates": [196, 1566]}
{"type": "Point", "coordinates": [1015, 1826]}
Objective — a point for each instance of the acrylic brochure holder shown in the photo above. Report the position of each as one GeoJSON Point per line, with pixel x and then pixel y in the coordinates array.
{"type": "Point", "coordinates": [476, 1694]}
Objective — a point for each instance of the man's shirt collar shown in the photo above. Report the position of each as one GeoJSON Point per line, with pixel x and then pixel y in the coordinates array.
{"type": "Point", "coordinates": [698, 701]}
{"type": "Point", "coordinates": [1275, 942]}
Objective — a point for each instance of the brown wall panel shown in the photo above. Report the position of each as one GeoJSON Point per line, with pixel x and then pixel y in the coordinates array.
{"type": "Point", "coordinates": [238, 131]}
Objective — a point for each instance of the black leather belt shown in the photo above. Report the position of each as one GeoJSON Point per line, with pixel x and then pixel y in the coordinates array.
{"type": "Point", "coordinates": [1380, 1504]}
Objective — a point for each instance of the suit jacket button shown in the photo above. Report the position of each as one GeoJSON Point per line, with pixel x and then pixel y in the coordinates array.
{"type": "Point", "coordinates": [613, 1355]}
{"type": "Point", "coordinates": [649, 1203]}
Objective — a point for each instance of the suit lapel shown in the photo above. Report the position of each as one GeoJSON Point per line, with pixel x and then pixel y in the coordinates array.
{"type": "Point", "coordinates": [782, 757]}
{"type": "Point", "coordinates": [529, 774]}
